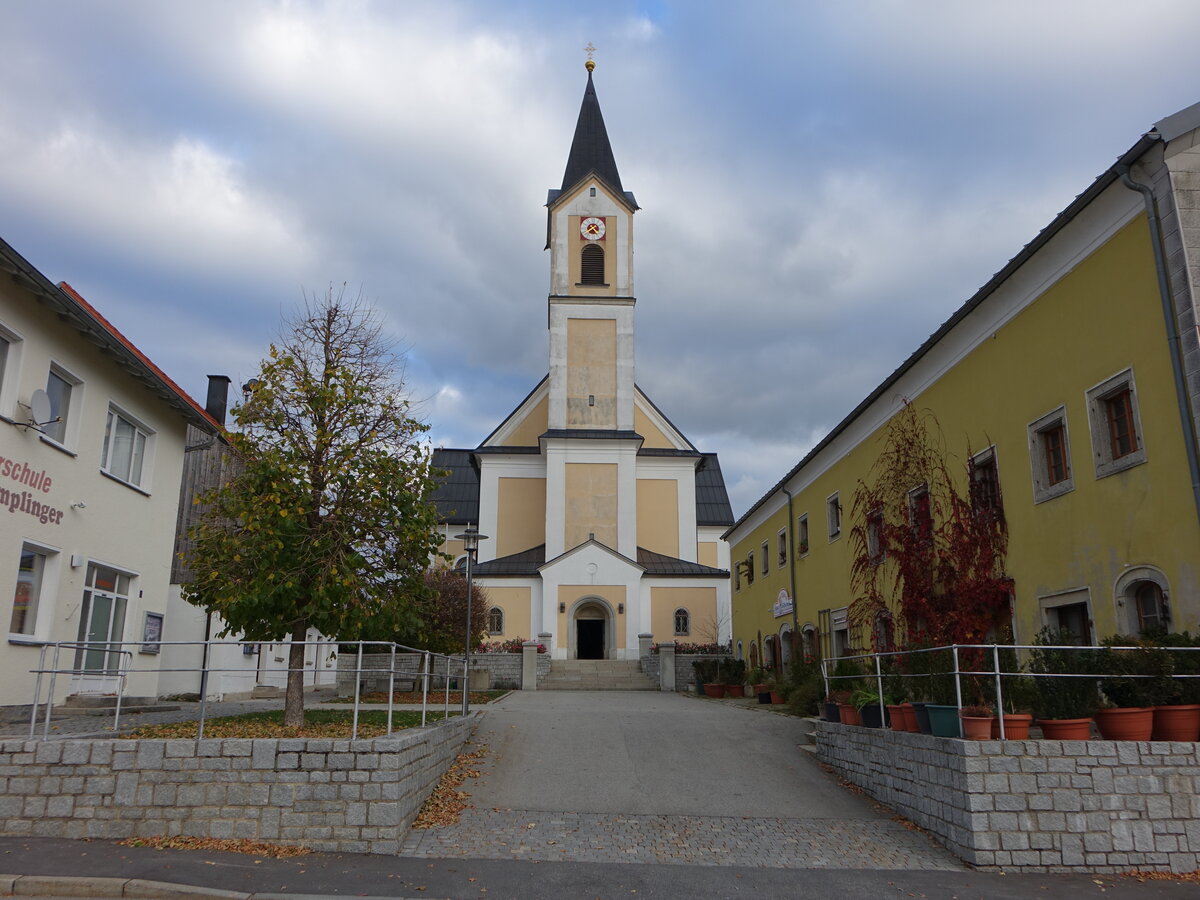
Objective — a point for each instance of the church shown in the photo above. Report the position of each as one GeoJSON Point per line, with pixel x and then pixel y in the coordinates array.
{"type": "Point", "coordinates": [604, 521]}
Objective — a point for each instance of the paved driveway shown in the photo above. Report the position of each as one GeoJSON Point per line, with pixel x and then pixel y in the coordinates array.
{"type": "Point", "coordinates": [650, 777]}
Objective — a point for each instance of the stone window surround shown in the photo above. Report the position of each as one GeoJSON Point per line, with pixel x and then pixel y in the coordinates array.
{"type": "Point", "coordinates": [1042, 489]}
{"type": "Point", "coordinates": [1099, 426]}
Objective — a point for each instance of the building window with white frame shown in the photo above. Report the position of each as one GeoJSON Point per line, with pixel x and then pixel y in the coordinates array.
{"type": "Point", "coordinates": [124, 452]}
{"type": "Point", "coordinates": [102, 620]}
{"type": "Point", "coordinates": [27, 596]}
{"type": "Point", "coordinates": [59, 387]}
{"type": "Point", "coordinates": [802, 535]}
{"type": "Point", "coordinates": [495, 620]}
{"type": "Point", "coordinates": [1050, 456]}
{"type": "Point", "coordinates": [750, 568]}
{"type": "Point", "coordinates": [766, 558]}
{"type": "Point", "coordinates": [1150, 604]}
{"type": "Point", "coordinates": [683, 622]}
{"type": "Point", "coordinates": [985, 484]}
{"type": "Point", "coordinates": [833, 516]}
{"type": "Point", "coordinates": [1115, 425]}
{"type": "Point", "coordinates": [782, 545]}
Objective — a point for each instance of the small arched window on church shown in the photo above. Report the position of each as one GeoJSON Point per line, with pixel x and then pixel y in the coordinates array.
{"type": "Point", "coordinates": [495, 620]}
{"type": "Point", "coordinates": [591, 264]}
{"type": "Point", "coordinates": [683, 622]}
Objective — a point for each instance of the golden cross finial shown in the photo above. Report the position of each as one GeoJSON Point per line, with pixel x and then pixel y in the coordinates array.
{"type": "Point", "coordinates": [589, 49]}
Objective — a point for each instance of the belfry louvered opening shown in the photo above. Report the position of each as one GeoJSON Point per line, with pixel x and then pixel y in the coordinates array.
{"type": "Point", "coordinates": [591, 265]}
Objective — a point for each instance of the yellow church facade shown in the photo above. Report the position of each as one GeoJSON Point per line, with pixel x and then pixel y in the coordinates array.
{"type": "Point", "coordinates": [604, 520]}
{"type": "Point", "coordinates": [1069, 388]}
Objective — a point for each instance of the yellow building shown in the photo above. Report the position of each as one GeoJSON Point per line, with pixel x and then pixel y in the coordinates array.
{"type": "Point", "coordinates": [1073, 379]}
{"type": "Point", "coordinates": [604, 521]}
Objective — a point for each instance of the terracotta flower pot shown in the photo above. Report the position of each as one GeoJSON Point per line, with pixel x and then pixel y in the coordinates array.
{"type": "Point", "coordinates": [909, 717]}
{"type": "Point", "coordinates": [1176, 723]}
{"type": "Point", "coordinates": [1133, 723]}
{"type": "Point", "coordinates": [1016, 726]}
{"type": "Point", "coordinates": [1066, 729]}
{"type": "Point", "coordinates": [761, 689]}
{"type": "Point", "coordinates": [714, 690]}
{"type": "Point", "coordinates": [976, 728]}
{"type": "Point", "coordinates": [849, 714]}
{"type": "Point", "coordinates": [733, 690]}
{"type": "Point", "coordinates": [777, 699]}
{"type": "Point", "coordinates": [896, 717]}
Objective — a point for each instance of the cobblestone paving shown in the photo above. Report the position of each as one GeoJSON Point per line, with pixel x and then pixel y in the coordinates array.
{"type": "Point", "coordinates": [684, 840]}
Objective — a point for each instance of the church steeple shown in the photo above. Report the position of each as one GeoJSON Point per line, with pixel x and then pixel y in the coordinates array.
{"type": "Point", "coordinates": [590, 149]}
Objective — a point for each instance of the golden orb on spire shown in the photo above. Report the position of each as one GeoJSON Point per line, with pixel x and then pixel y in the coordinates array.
{"type": "Point", "coordinates": [591, 63]}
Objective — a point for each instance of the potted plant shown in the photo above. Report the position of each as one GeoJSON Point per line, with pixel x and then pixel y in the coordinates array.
{"type": "Point", "coordinates": [869, 705]}
{"type": "Point", "coordinates": [733, 676]}
{"type": "Point", "coordinates": [1135, 680]}
{"type": "Point", "coordinates": [1019, 694]}
{"type": "Point", "coordinates": [758, 682]}
{"type": "Point", "coordinates": [976, 722]}
{"type": "Point", "coordinates": [1064, 703]}
{"type": "Point", "coordinates": [833, 701]}
{"type": "Point", "coordinates": [1177, 710]}
{"type": "Point", "coordinates": [778, 690]}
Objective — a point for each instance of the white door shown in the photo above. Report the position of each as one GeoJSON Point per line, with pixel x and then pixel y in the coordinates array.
{"type": "Point", "coordinates": [98, 661]}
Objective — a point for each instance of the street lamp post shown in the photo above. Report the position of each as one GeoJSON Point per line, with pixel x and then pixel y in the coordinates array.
{"type": "Point", "coordinates": [470, 538]}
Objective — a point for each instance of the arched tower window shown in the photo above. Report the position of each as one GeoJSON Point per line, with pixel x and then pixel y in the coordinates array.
{"type": "Point", "coordinates": [682, 621]}
{"type": "Point", "coordinates": [591, 264]}
{"type": "Point", "coordinates": [495, 620]}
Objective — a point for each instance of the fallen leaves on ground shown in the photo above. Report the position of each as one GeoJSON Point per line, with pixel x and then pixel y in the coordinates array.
{"type": "Point", "coordinates": [229, 845]}
{"type": "Point", "coordinates": [446, 802]}
{"type": "Point", "coordinates": [318, 723]}
{"type": "Point", "coordinates": [1193, 877]}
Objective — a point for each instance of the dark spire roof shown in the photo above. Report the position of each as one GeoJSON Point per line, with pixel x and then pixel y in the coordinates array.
{"type": "Point", "coordinates": [590, 150]}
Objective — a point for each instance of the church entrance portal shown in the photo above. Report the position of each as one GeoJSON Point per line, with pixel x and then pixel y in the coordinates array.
{"type": "Point", "coordinates": [590, 640]}
{"type": "Point", "coordinates": [591, 631]}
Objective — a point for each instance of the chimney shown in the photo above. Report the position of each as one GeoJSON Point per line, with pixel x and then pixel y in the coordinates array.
{"type": "Point", "coordinates": [218, 397]}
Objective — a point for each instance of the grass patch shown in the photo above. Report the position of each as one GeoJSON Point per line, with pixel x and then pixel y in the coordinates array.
{"type": "Point", "coordinates": [436, 698]}
{"type": "Point", "coordinates": [318, 723]}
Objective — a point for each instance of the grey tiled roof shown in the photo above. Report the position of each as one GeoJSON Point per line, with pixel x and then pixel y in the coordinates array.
{"type": "Point", "coordinates": [661, 564]}
{"type": "Point", "coordinates": [590, 148]}
{"type": "Point", "coordinates": [457, 495]}
{"type": "Point", "coordinates": [527, 562]}
{"type": "Point", "coordinates": [604, 434]}
{"type": "Point", "coordinates": [712, 500]}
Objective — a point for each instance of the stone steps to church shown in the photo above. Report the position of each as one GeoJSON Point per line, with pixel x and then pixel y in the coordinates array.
{"type": "Point", "coordinates": [596, 675]}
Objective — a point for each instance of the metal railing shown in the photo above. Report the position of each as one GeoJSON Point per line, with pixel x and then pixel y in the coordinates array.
{"type": "Point", "coordinates": [996, 672]}
{"type": "Point", "coordinates": [426, 674]}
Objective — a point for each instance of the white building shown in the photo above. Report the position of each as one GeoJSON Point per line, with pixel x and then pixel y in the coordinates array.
{"type": "Point", "coordinates": [92, 444]}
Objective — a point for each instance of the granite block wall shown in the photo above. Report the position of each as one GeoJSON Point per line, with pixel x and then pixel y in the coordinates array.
{"type": "Point", "coordinates": [335, 795]}
{"type": "Point", "coordinates": [1036, 805]}
{"type": "Point", "coordinates": [685, 675]}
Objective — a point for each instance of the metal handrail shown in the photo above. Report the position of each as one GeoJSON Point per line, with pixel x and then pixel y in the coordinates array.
{"type": "Point", "coordinates": [427, 674]}
{"type": "Point", "coordinates": [994, 672]}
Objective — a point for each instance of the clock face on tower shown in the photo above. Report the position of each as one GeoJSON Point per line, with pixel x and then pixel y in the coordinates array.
{"type": "Point", "coordinates": [592, 228]}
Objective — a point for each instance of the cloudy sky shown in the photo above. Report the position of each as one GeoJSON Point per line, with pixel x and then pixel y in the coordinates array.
{"type": "Point", "coordinates": [822, 183]}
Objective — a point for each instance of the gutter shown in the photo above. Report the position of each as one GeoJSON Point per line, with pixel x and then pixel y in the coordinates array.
{"type": "Point", "coordinates": [792, 575]}
{"type": "Point", "coordinates": [1168, 308]}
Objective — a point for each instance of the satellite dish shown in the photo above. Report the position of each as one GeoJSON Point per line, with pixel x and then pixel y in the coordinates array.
{"type": "Point", "coordinates": [39, 408]}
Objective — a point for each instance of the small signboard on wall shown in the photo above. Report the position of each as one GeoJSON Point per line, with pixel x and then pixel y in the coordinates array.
{"type": "Point", "coordinates": [783, 605]}
{"type": "Point", "coordinates": [152, 632]}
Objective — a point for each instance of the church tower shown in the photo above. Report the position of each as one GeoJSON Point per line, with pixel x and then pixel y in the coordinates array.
{"type": "Point", "coordinates": [605, 520]}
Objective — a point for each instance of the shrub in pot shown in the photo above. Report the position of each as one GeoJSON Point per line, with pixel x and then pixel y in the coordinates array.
{"type": "Point", "coordinates": [1135, 680]}
{"type": "Point", "coordinates": [1177, 708]}
{"type": "Point", "coordinates": [1063, 703]}
{"type": "Point", "coordinates": [870, 707]}
{"type": "Point", "coordinates": [976, 722]}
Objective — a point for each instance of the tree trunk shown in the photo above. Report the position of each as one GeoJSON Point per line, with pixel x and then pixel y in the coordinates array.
{"type": "Point", "coordinates": [293, 709]}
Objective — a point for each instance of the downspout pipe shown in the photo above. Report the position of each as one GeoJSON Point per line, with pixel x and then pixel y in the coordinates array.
{"type": "Point", "coordinates": [1173, 341]}
{"type": "Point", "coordinates": [792, 573]}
